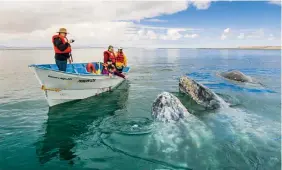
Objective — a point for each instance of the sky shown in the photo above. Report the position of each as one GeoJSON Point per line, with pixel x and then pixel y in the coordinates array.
{"type": "Point", "coordinates": [149, 24]}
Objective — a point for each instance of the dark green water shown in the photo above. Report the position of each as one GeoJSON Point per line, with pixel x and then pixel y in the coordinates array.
{"type": "Point", "coordinates": [115, 130]}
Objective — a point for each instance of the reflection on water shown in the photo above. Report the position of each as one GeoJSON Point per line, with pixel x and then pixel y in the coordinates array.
{"type": "Point", "coordinates": [70, 120]}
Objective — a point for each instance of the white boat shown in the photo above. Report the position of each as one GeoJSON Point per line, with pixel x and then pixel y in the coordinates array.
{"type": "Point", "coordinates": [74, 84]}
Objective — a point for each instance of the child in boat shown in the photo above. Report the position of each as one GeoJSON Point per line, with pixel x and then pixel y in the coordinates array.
{"type": "Point", "coordinates": [107, 65]}
{"type": "Point", "coordinates": [105, 69]}
{"type": "Point", "coordinates": [110, 69]}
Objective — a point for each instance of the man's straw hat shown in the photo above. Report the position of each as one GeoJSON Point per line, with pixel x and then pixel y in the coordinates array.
{"type": "Point", "coordinates": [62, 30]}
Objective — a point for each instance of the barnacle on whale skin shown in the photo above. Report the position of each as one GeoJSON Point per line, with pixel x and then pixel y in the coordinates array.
{"type": "Point", "coordinates": [199, 93]}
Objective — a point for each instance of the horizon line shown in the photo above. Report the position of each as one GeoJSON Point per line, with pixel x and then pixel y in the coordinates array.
{"type": "Point", "coordinates": [85, 47]}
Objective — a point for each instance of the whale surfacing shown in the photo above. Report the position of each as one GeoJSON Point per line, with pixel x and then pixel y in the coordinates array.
{"type": "Point", "coordinates": [199, 93]}
{"type": "Point", "coordinates": [167, 108]}
{"type": "Point", "coordinates": [236, 75]}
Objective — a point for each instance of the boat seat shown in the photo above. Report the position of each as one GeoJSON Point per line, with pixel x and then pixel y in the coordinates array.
{"type": "Point", "coordinates": [79, 68]}
{"type": "Point", "coordinates": [96, 65]}
{"type": "Point", "coordinates": [54, 67]}
{"type": "Point", "coordinates": [78, 65]}
{"type": "Point", "coordinates": [125, 69]}
{"type": "Point", "coordinates": [70, 68]}
{"type": "Point", "coordinates": [81, 71]}
{"type": "Point", "coordinates": [45, 66]}
{"type": "Point", "coordinates": [99, 66]}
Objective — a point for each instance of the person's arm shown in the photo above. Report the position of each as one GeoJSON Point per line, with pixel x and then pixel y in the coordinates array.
{"type": "Point", "coordinates": [125, 60]}
{"type": "Point", "coordinates": [114, 68]}
{"type": "Point", "coordinates": [59, 44]}
{"type": "Point", "coordinates": [106, 57]}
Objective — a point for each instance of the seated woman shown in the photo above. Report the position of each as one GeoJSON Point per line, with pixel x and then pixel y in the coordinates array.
{"type": "Point", "coordinates": [121, 60]}
{"type": "Point", "coordinates": [110, 69]}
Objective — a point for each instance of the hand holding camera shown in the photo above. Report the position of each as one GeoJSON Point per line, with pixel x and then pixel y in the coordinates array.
{"type": "Point", "coordinates": [71, 41]}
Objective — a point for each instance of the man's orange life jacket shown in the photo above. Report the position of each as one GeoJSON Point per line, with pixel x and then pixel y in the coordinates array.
{"type": "Point", "coordinates": [68, 50]}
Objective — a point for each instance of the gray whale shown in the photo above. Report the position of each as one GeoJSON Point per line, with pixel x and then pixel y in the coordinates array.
{"type": "Point", "coordinates": [199, 93]}
{"type": "Point", "coordinates": [167, 108]}
{"type": "Point", "coordinates": [236, 75]}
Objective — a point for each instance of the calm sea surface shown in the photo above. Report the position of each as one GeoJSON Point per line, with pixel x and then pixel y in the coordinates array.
{"type": "Point", "coordinates": [115, 130]}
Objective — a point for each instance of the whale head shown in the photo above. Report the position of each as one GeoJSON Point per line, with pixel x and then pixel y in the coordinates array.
{"type": "Point", "coordinates": [199, 93]}
{"type": "Point", "coordinates": [168, 108]}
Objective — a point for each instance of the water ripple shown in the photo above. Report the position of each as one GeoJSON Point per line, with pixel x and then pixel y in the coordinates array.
{"type": "Point", "coordinates": [126, 126]}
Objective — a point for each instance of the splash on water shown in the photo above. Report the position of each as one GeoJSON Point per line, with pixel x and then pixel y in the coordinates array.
{"type": "Point", "coordinates": [126, 125]}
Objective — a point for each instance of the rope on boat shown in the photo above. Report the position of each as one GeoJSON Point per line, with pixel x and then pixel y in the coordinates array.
{"type": "Point", "coordinates": [103, 89]}
{"type": "Point", "coordinates": [51, 89]}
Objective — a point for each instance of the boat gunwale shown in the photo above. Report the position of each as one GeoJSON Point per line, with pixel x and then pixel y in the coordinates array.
{"type": "Point", "coordinates": [68, 73]}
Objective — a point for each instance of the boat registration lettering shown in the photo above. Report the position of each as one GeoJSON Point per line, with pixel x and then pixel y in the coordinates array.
{"type": "Point", "coordinates": [87, 81]}
{"type": "Point", "coordinates": [61, 78]}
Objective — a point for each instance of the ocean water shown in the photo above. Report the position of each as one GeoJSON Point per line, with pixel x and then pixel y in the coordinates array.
{"type": "Point", "coordinates": [115, 130]}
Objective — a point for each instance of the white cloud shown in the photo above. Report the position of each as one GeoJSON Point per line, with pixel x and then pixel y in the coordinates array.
{"type": "Point", "coordinates": [256, 34]}
{"type": "Point", "coordinates": [191, 35]}
{"type": "Point", "coordinates": [166, 34]}
{"type": "Point", "coordinates": [271, 37]}
{"type": "Point", "coordinates": [172, 34]}
{"type": "Point", "coordinates": [226, 30]}
{"type": "Point", "coordinates": [276, 2]}
{"type": "Point", "coordinates": [143, 34]}
{"type": "Point", "coordinates": [152, 35]}
{"type": "Point", "coordinates": [201, 4]}
{"type": "Point", "coordinates": [87, 21]}
{"type": "Point", "coordinates": [225, 33]}
{"type": "Point", "coordinates": [155, 20]}
{"type": "Point", "coordinates": [241, 36]}
{"type": "Point", "coordinates": [102, 22]}
{"type": "Point", "coordinates": [27, 17]}
{"type": "Point", "coordinates": [83, 33]}
{"type": "Point", "coordinates": [165, 28]}
{"type": "Point", "coordinates": [223, 37]}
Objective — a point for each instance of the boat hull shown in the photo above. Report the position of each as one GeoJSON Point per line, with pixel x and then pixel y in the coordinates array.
{"type": "Point", "coordinates": [60, 87]}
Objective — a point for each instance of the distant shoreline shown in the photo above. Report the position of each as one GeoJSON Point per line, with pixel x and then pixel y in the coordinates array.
{"type": "Point", "coordinates": [261, 47]}
{"type": "Point", "coordinates": [226, 48]}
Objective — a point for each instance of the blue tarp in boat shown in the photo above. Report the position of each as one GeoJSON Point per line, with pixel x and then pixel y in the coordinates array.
{"type": "Point", "coordinates": [76, 68]}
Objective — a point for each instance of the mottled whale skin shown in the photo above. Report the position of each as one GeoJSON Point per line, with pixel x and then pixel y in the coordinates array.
{"type": "Point", "coordinates": [236, 75]}
{"type": "Point", "coordinates": [199, 93]}
{"type": "Point", "coordinates": [168, 108]}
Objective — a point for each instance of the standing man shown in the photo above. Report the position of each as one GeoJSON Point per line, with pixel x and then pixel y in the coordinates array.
{"type": "Point", "coordinates": [110, 55]}
{"type": "Point", "coordinates": [121, 60]}
{"type": "Point", "coordinates": [62, 49]}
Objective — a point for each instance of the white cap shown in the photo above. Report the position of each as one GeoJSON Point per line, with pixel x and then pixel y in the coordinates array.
{"type": "Point", "coordinates": [120, 48]}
